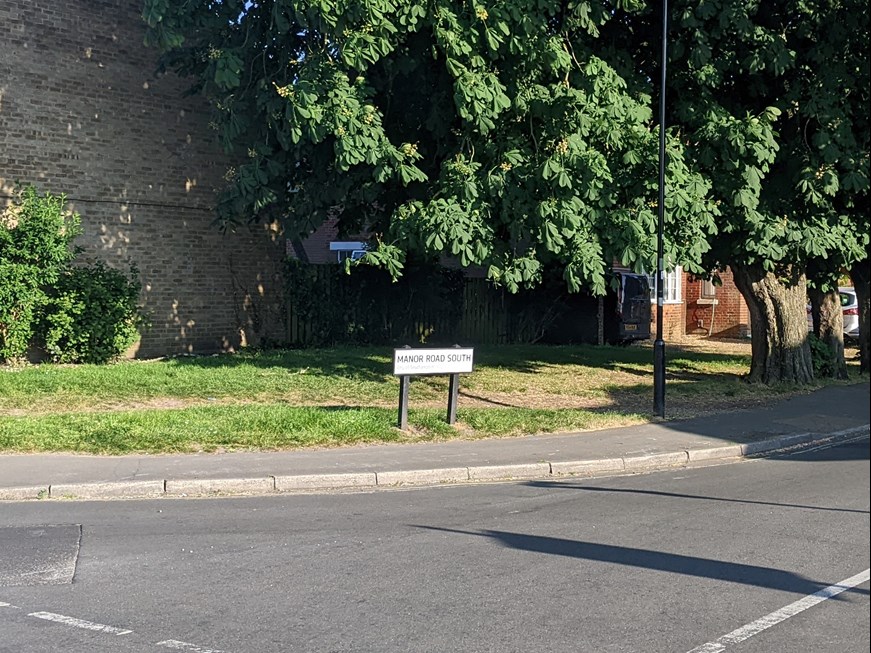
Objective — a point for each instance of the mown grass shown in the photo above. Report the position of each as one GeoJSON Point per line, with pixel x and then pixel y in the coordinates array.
{"type": "Point", "coordinates": [337, 397]}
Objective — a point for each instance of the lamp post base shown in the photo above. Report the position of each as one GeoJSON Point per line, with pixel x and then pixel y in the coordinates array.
{"type": "Point", "coordinates": [659, 377]}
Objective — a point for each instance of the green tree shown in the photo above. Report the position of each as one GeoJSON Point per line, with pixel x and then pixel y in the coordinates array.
{"type": "Point", "coordinates": [827, 153]}
{"type": "Point", "coordinates": [508, 135]}
{"type": "Point", "coordinates": [860, 273]}
{"type": "Point", "coordinates": [772, 103]}
{"type": "Point", "coordinates": [826, 313]}
{"type": "Point", "coordinates": [520, 134]}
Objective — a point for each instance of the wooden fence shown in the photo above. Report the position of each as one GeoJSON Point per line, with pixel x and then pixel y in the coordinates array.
{"type": "Point", "coordinates": [334, 309]}
{"type": "Point", "coordinates": [473, 313]}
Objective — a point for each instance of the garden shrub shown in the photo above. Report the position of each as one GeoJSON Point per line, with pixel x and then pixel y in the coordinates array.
{"type": "Point", "coordinates": [77, 314]}
{"type": "Point", "coordinates": [36, 235]}
{"type": "Point", "coordinates": [91, 315]}
{"type": "Point", "coordinates": [822, 357]}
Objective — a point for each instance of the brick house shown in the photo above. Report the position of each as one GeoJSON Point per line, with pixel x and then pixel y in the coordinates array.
{"type": "Point", "coordinates": [697, 307]}
{"type": "Point", "coordinates": [715, 311]}
{"type": "Point", "coordinates": [691, 306]}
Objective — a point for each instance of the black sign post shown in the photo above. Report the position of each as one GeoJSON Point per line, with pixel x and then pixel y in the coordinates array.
{"type": "Point", "coordinates": [453, 395]}
{"type": "Point", "coordinates": [404, 382]}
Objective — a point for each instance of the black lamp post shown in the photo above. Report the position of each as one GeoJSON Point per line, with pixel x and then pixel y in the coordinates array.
{"type": "Point", "coordinates": [659, 343]}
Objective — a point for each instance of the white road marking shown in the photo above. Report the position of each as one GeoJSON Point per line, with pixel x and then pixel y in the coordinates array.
{"type": "Point", "coordinates": [79, 623]}
{"type": "Point", "coordinates": [8, 605]}
{"type": "Point", "coordinates": [184, 646]}
{"type": "Point", "coordinates": [769, 620]}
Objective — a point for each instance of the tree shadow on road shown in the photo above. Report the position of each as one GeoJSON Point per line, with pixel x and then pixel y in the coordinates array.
{"type": "Point", "coordinates": [563, 485]}
{"type": "Point", "coordinates": [731, 572]}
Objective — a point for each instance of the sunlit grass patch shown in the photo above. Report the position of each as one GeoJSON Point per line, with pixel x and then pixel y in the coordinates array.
{"type": "Point", "coordinates": [338, 397]}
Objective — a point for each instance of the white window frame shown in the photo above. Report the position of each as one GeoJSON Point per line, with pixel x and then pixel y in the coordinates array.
{"type": "Point", "coordinates": [672, 293]}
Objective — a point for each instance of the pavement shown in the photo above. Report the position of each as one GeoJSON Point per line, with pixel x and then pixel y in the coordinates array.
{"type": "Point", "coordinates": [828, 415]}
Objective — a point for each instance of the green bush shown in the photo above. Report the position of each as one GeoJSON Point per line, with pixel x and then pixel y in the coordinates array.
{"type": "Point", "coordinates": [77, 314]}
{"type": "Point", "coordinates": [36, 235]}
{"type": "Point", "coordinates": [91, 315]}
{"type": "Point", "coordinates": [822, 357]}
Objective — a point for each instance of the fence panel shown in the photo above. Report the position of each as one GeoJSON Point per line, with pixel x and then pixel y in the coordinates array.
{"type": "Point", "coordinates": [327, 307]}
{"type": "Point", "coordinates": [476, 312]}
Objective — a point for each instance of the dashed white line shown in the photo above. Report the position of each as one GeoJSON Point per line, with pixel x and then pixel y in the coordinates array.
{"type": "Point", "coordinates": [112, 630]}
{"type": "Point", "coordinates": [184, 646]}
{"type": "Point", "coordinates": [79, 623]}
{"type": "Point", "coordinates": [769, 620]}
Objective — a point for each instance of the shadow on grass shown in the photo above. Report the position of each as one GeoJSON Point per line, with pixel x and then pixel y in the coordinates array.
{"type": "Point", "coordinates": [375, 363]}
{"type": "Point", "coordinates": [358, 364]}
{"type": "Point", "coordinates": [689, 392]}
{"type": "Point", "coordinates": [485, 400]}
{"type": "Point", "coordinates": [533, 358]}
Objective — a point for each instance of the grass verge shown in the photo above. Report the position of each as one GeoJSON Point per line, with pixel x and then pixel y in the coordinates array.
{"type": "Point", "coordinates": [324, 398]}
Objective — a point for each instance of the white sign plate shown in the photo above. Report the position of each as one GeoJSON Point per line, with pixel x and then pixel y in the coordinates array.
{"type": "Point", "coordinates": [451, 360]}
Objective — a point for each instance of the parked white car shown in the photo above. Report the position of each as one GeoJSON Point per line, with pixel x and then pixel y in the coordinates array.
{"type": "Point", "coordinates": [850, 310]}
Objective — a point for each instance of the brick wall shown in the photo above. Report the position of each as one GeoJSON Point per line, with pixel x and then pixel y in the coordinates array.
{"type": "Point", "coordinates": [731, 318]}
{"type": "Point", "coordinates": [672, 321]}
{"type": "Point", "coordinates": [82, 112]}
{"type": "Point", "coordinates": [316, 247]}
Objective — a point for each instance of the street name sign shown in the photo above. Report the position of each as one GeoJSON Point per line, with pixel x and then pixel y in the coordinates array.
{"type": "Point", "coordinates": [451, 360]}
{"type": "Point", "coordinates": [408, 362]}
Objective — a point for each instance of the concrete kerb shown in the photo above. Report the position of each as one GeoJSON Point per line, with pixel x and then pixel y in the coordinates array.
{"type": "Point", "coordinates": [112, 490]}
{"type": "Point", "coordinates": [421, 477]}
{"type": "Point", "coordinates": [655, 461]}
{"type": "Point", "coordinates": [24, 493]}
{"type": "Point", "coordinates": [799, 439]}
{"type": "Point", "coordinates": [206, 486]}
{"type": "Point", "coordinates": [783, 442]}
{"type": "Point", "coordinates": [325, 481]}
{"type": "Point", "coordinates": [715, 453]}
{"type": "Point", "coordinates": [500, 472]}
{"type": "Point", "coordinates": [588, 467]}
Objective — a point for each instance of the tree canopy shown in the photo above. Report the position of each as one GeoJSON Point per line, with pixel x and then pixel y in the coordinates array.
{"type": "Point", "coordinates": [519, 135]}
{"type": "Point", "coordinates": [511, 135]}
{"type": "Point", "coordinates": [775, 102]}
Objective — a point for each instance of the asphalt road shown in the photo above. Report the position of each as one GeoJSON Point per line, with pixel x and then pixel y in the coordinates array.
{"type": "Point", "coordinates": [743, 557]}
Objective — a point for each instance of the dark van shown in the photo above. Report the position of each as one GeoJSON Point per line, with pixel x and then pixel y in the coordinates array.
{"type": "Point", "coordinates": [621, 316]}
{"type": "Point", "coordinates": [630, 319]}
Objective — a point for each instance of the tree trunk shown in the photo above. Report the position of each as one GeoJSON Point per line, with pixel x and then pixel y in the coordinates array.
{"type": "Point", "coordinates": [860, 273]}
{"type": "Point", "coordinates": [829, 329]}
{"type": "Point", "coordinates": [778, 325]}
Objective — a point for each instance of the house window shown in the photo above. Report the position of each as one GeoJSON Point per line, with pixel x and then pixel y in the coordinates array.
{"type": "Point", "coordinates": [348, 249]}
{"type": "Point", "coordinates": [671, 292]}
{"type": "Point", "coordinates": [709, 290]}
